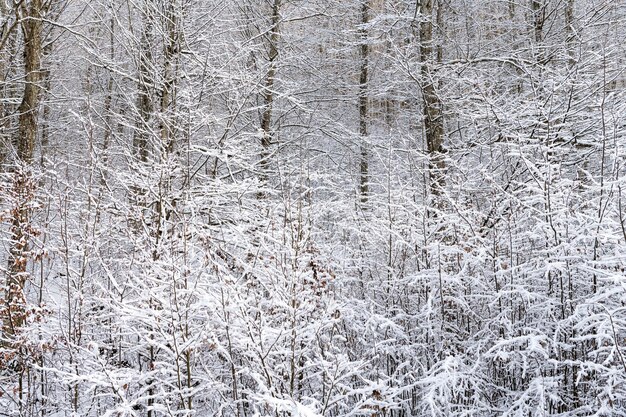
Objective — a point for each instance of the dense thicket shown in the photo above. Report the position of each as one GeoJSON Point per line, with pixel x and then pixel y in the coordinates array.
{"type": "Point", "coordinates": [312, 208]}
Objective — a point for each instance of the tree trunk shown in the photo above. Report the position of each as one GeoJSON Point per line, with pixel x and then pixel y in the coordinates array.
{"type": "Point", "coordinates": [168, 99]}
{"type": "Point", "coordinates": [363, 104]}
{"type": "Point", "coordinates": [8, 35]}
{"type": "Point", "coordinates": [15, 311]}
{"type": "Point", "coordinates": [432, 107]}
{"type": "Point", "coordinates": [24, 143]}
{"type": "Point", "coordinates": [569, 32]}
{"type": "Point", "coordinates": [146, 83]}
{"type": "Point", "coordinates": [267, 138]}
{"type": "Point", "coordinates": [28, 109]}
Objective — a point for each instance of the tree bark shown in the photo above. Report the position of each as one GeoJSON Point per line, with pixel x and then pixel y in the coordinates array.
{"type": "Point", "coordinates": [267, 138]}
{"type": "Point", "coordinates": [569, 32]}
{"type": "Point", "coordinates": [28, 109]}
{"type": "Point", "coordinates": [168, 99]}
{"type": "Point", "coordinates": [432, 106]}
{"type": "Point", "coordinates": [146, 83]}
{"type": "Point", "coordinates": [363, 104]}
{"type": "Point", "coordinates": [15, 311]}
{"type": "Point", "coordinates": [24, 143]}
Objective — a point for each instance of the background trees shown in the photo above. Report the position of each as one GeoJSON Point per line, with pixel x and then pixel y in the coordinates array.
{"type": "Point", "coordinates": [315, 208]}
